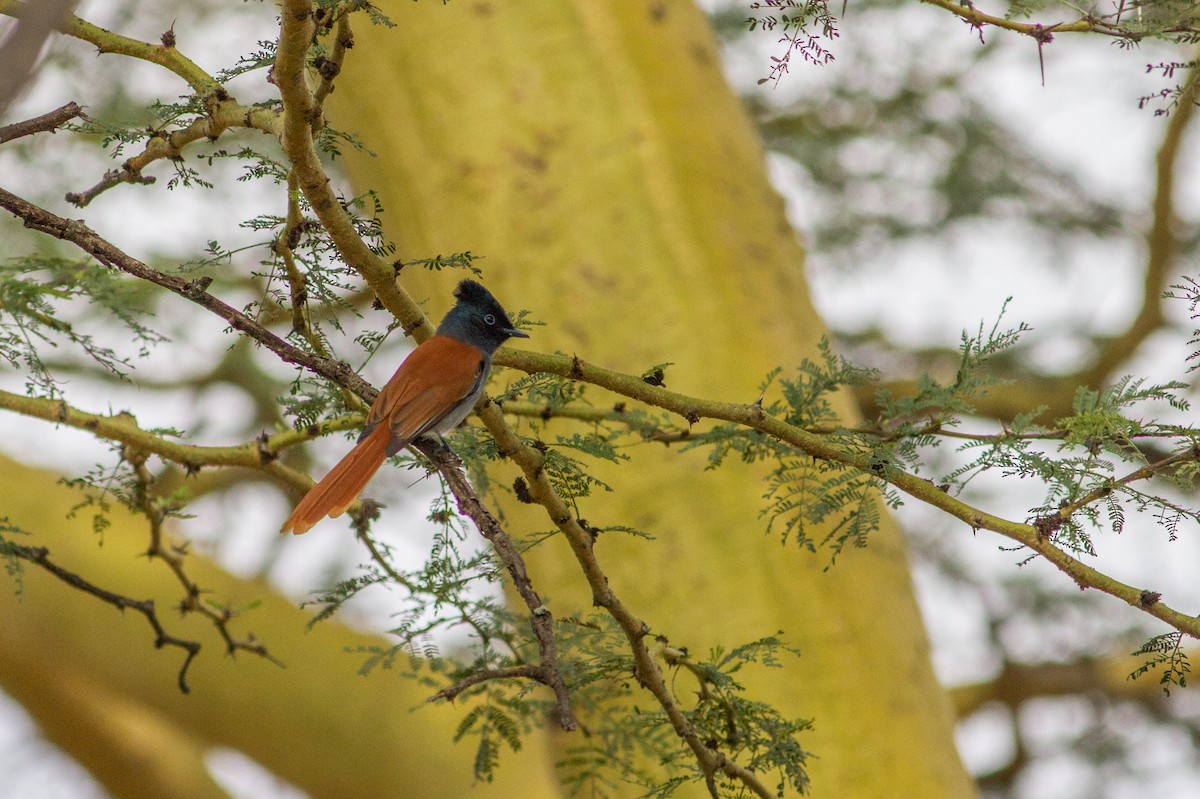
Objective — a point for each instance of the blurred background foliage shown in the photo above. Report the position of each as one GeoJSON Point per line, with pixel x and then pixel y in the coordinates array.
{"type": "Point", "coordinates": [929, 167]}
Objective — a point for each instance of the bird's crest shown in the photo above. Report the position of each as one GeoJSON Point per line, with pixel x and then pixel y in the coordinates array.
{"type": "Point", "coordinates": [473, 293]}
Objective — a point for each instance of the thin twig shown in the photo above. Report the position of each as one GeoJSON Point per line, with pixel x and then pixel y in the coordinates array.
{"type": "Point", "coordinates": [46, 122]}
{"type": "Point", "coordinates": [41, 557]}
{"type": "Point", "coordinates": [528, 672]}
{"type": "Point", "coordinates": [163, 549]}
{"type": "Point", "coordinates": [329, 68]}
{"type": "Point", "coordinates": [1086, 23]}
{"type": "Point", "coordinates": [195, 291]}
{"type": "Point", "coordinates": [540, 617]}
{"type": "Point", "coordinates": [285, 245]}
{"type": "Point", "coordinates": [222, 116]}
{"type": "Point", "coordinates": [1189, 455]}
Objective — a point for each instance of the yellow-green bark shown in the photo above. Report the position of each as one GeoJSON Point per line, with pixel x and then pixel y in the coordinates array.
{"type": "Point", "coordinates": [593, 153]}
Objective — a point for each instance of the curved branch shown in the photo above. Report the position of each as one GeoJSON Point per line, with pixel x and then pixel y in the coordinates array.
{"type": "Point", "coordinates": [40, 556]}
{"type": "Point", "coordinates": [261, 453]}
{"type": "Point", "coordinates": [301, 112]}
{"type": "Point", "coordinates": [1106, 25]}
{"type": "Point", "coordinates": [106, 41]}
{"type": "Point", "coordinates": [224, 115]}
{"type": "Point", "coordinates": [752, 416]}
{"type": "Point", "coordinates": [1162, 243]}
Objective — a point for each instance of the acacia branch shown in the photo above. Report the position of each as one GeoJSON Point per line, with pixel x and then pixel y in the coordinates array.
{"type": "Point", "coordinates": [580, 540]}
{"type": "Point", "coordinates": [452, 692]}
{"type": "Point", "coordinates": [1162, 243]}
{"type": "Point", "coordinates": [284, 245]}
{"type": "Point", "coordinates": [164, 55]}
{"type": "Point", "coordinates": [301, 112]}
{"type": "Point", "coordinates": [630, 386]}
{"type": "Point", "coordinates": [752, 416]}
{"type": "Point", "coordinates": [261, 453]}
{"type": "Point", "coordinates": [196, 291]}
{"type": "Point", "coordinates": [225, 115]}
{"type": "Point", "coordinates": [163, 549]}
{"type": "Point", "coordinates": [46, 122]}
{"type": "Point", "coordinates": [1104, 24]}
{"type": "Point", "coordinates": [540, 617]}
{"type": "Point", "coordinates": [40, 556]}
{"type": "Point", "coordinates": [221, 110]}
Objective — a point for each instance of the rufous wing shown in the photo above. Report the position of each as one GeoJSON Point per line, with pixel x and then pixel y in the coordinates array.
{"type": "Point", "coordinates": [430, 384]}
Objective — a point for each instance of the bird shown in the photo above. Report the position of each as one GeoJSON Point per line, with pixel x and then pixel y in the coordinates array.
{"type": "Point", "coordinates": [432, 391]}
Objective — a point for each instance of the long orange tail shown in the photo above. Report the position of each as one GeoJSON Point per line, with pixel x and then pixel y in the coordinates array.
{"type": "Point", "coordinates": [338, 489]}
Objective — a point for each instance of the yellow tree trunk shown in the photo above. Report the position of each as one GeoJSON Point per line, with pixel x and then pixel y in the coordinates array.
{"type": "Point", "coordinates": [593, 152]}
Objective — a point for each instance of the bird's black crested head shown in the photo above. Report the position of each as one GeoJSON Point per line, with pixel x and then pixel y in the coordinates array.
{"type": "Point", "coordinates": [478, 319]}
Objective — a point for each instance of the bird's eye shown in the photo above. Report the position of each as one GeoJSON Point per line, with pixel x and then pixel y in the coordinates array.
{"type": "Point", "coordinates": [491, 320]}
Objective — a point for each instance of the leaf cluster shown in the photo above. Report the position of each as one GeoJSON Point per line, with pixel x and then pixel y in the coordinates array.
{"type": "Point", "coordinates": [631, 744]}
{"type": "Point", "coordinates": [804, 493]}
{"type": "Point", "coordinates": [1165, 652]}
{"type": "Point", "coordinates": [41, 299]}
{"type": "Point", "coordinates": [1189, 291]}
{"type": "Point", "coordinates": [803, 32]}
{"type": "Point", "coordinates": [13, 565]}
{"type": "Point", "coordinates": [1080, 471]}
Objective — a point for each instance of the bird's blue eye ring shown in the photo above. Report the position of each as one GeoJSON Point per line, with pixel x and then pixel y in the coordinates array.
{"type": "Point", "coordinates": [491, 320]}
